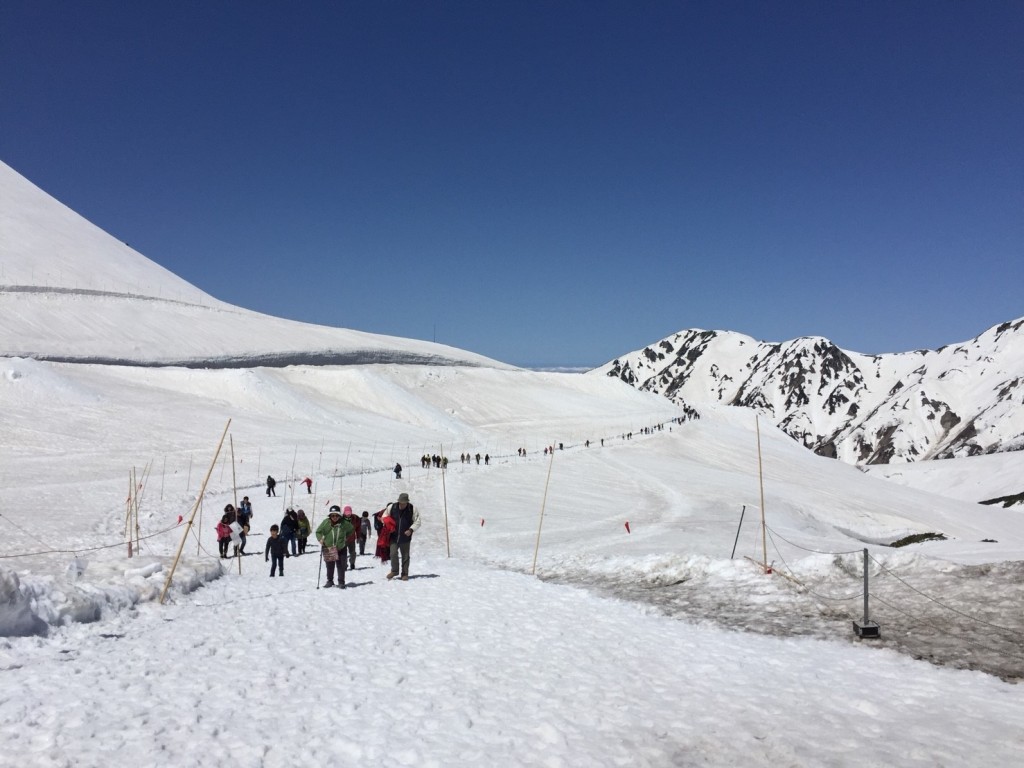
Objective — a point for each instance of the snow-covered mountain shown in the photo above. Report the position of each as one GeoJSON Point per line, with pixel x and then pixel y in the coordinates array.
{"type": "Point", "coordinates": [961, 400]}
{"type": "Point", "coordinates": [69, 292]}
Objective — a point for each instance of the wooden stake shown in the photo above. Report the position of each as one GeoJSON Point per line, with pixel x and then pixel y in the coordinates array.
{"type": "Point", "coordinates": [291, 503]}
{"type": "Point", "coordinates": [199, 539]}
{"type": "Point", "coordinates": [234, 480]}
{"type": "Point", "coordinates": [760, 474]}
{"type": "Point", "coordinates": [234, 486]}
{"type": "Point", "coordinates": [444, 497]}
{"type": "Point", "coordinates": [195, 507]}
{"type": "Point", "coordinates": [543, 503]}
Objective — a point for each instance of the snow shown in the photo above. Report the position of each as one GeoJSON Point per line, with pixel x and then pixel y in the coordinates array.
{"type": "Point", "coordinates": [534, 630]}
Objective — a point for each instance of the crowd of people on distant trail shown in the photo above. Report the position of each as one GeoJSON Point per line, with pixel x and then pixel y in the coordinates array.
{"type": "Point", "coordinates": [342, 532]}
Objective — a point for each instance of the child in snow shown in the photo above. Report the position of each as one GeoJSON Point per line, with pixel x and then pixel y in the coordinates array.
{"type": "Point", "coordinates": [275, 551]}
{"type": "Point", "coordinates": [223, 537]}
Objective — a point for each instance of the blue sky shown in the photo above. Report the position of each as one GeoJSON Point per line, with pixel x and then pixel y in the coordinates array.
{"type": "Point", "coordinates": [552, 183]}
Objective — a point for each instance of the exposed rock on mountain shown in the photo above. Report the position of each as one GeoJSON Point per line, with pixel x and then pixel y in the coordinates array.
{"type": "Point", "coordinates": [961, 400]}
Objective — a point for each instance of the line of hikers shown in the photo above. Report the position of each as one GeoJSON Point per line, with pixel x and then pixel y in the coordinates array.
{"type": "Point", "coordinates": [340, 534]}
{"type": "Point", "coordinates": [394, 525]}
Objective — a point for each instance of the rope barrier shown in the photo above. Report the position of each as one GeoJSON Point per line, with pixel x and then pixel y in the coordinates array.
{"type": "Point", "coordinates": [805, 549]}
{"type": "Point", "coordinates": [84, 549]}
{"type": "Point", "coordinates": [802, 584]}
{"type": "Point", "coordinates": [1015, 632]}
{"type": "Point", "coordinates": [945, 630]}
{"type": "Point", "coordinates": [30, 535]}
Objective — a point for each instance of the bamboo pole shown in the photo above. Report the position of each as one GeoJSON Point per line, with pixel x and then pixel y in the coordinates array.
{"type": "Point", "coordinates": [132, 515]}
{"type": "Point", "coordinates": [195, 507]}
{"type": "Point", "coordinates": [234, 479]}
{"type": "Point", "coordinates": [760, 475]}
{"type": "Point", "coordinates": [128, 508]}
{"type": "Point", "coordinates": [543, 503]}
{"type": "Point", "coordinates": [444, 497]}
{"type": "Point", "coordinates": [199, 540]}
{"type": "Point", "coordinates": [234, 487]}
{"type": "Point", "coordinates": [291, 502]}
{"type": "Point", "coordinates": [188, 482]}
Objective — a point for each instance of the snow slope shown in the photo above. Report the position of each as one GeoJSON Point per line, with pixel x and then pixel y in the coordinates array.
{"type": "Point", "coordinates": [582, 606]}
{"type": "Point", "coordinates": [71, 292]}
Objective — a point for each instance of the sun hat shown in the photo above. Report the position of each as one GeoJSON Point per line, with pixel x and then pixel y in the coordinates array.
{"type": "Point", "coordinates": [403, 497]}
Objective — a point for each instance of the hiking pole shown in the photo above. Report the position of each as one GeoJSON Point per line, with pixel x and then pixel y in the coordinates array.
{"type": "Point", "coordinates": [320, 568]}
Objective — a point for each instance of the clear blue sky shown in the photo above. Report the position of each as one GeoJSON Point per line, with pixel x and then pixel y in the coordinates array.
{"type": "Point", "coordinates": [549, 183]}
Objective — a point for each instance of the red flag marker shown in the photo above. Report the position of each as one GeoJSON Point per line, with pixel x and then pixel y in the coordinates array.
{"type": "Point", "coordinates": [481, 522]}
{"type": "Point", "coordinates": [180, 518]}
{"type": "Point", "coordinates": [627, 527]}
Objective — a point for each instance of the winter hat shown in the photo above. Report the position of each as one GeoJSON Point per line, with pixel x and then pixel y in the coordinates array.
{"type": "Point", "coordinates": [403, 497]}
{"type": "Point", "coordinates": [348, 511]}
{"type": "Point", "coordinates": [335, 508]}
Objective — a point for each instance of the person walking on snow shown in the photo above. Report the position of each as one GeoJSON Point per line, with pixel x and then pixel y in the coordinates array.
{"type": "Point", "coordinates": [350, 542]}
{"type": "Point", "coordinates": [271, 482]}
{"type": "Point", "coordinates": [309, 484]}
{"type": "Point", "coordinates": [245, 513]}
{"type": "Point", "coordinates": [398, 471]}
{"type": "Point", "coordinates": [276, 549]}
{"type": "Point", "coordinates": [364, 531]}
{"type": "Point", "coordinates": [331, 534]}
{"type": "Point", "coordinates": [290, 531]}
{"type": "Point", "coordinates": [223, 537]}
{"type": "Point", "coordinates": [407, 521]}
{"type": "Point", "coordinates": [304, 530]}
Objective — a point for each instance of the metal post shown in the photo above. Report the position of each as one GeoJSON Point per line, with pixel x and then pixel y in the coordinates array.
{"type": "Point", "coordinates": [866, 628]}
{"type": "Point", "coordinates": [866, 617]}
{"type": "Point", "coordinates": [738, 533]}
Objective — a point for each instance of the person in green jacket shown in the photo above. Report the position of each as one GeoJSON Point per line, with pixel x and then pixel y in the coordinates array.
{"type": "Point", "coordinates": [334, 532]}
{"type": "Point", "coordinates": [304, 530]}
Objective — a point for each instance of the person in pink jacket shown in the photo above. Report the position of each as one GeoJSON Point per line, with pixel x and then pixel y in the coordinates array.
{"type": "Point", "coordinates": [223, 537]}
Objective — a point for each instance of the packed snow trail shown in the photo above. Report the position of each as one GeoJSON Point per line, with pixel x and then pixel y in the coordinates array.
{"type": "Point", "coordinates": [465, 666]}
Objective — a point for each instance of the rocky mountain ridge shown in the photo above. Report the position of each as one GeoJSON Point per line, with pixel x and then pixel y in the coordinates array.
{"type": "Point", "coordinates": [963, 399]}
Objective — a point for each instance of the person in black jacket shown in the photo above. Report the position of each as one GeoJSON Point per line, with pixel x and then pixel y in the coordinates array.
{"type": "Point", "coordinates": [290, 531]}
{"type": "Point", "coordinates": [276, 549]}
{"type": "Point", "coordinates": [407, 520]}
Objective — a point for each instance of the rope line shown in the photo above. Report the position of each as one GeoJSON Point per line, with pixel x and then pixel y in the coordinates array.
{"type": "Point", "coordinates": [30, 535]}
{"type": "Point", "coordinates": [815, 551]}
{"type": "Point", "coordinates": [85, 549]}
{"type": "Point", "coordinates": [802, 584]}
{"type": "Point", "coordinates": [1014, 632]}
{"type": "Point", "coordinates": [945, 630]}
